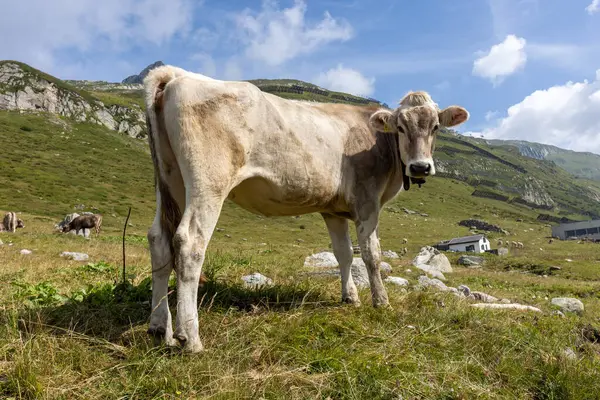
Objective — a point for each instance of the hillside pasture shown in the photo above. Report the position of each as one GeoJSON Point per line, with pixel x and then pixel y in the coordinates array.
{"type": "Point", "coordinates": [68, 330]}
{"type": "Point", "coordinates": [72, 329]}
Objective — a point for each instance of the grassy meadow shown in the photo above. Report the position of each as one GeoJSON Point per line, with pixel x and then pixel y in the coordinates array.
{"type": "Point", "coordinates": [69, 330]}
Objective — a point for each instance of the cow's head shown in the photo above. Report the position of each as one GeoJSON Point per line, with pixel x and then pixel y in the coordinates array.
{"type": "Point", "coordinates": [416, 121]}
{"type": "Point", "coordinates": [20, 223]}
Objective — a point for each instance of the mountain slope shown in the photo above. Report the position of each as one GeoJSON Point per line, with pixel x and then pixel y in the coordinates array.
{"type": "Point", "coordinates": [499, 172]}
{"type": "Point", "coordinates": [581, 164]}
{"type": "Point", "coordinates": [25, 88]}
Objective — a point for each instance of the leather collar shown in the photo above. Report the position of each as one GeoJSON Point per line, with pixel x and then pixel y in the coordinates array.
{"type": "Point", "coordinates": [407, 180]}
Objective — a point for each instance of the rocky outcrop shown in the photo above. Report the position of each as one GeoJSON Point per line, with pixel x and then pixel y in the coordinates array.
{"type": "Point", "coordinates": [481, 225]}
{"type": "Point", "coordinates": [535, 194]}
{"type": "Point", "coordinates": [22, 88]}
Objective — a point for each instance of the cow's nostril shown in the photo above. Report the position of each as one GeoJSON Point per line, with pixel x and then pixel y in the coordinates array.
{"type": "Point", "coordinates": [420, 168]}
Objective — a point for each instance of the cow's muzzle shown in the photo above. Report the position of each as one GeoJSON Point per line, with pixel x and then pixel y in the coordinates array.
{"type": "Point", "coordinates": [419, 169]}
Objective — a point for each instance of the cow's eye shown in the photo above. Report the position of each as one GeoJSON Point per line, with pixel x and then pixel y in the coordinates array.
{"type": "Point", "coordinates": [400, 129]}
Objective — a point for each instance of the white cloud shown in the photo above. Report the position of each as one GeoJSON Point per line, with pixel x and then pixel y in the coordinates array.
{"type": "Point", "coordinates": [40, 29]}
{"type": "Point", "coordinates": [347, 80]}
{"type": "Point", "coordinates": [566, 116]}
{"type": "Point", "coordinates": [274, 36]}
{"type": "Point", "coordinates": [501, 60]}
{"type": "Point", "coordinates": [594, 7]}
{"type": "Point", "coordinates": [233, 70]}
{"type": "Point", "coordinates": [491, 115]}
{"type": "Point", "coordinates": [207, 65]}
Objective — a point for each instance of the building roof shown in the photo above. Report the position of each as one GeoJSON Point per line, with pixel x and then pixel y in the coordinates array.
{"type": "Point", "coordinates": [465, 239]}
{"type": "Point", "coordinates": [575, 224]}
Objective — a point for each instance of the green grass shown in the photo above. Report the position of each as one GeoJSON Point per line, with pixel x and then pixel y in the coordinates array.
{"type": "Point", "coordinates": [119, 99]}
{"type": "Point", "coordinates": [80, 337]}
{"type": "Point", "coordinates": [69, 330]}
{"type": "Point", "coordinates": [47, 169]}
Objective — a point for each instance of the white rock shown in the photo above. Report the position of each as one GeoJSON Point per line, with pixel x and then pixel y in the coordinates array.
{"type": "Point", "coordinates": [432, 257]}
{"type": "Point", "coordinates": [396, 280]}
{"type": "Point", "coordinates": [324, 259]}
{"type": "Point", "coordinates": [432, 271]}
{"type": "Point", "coordinates": [471, 261]}
{"type": "Point", "coordinates": [256, 280]}
{"type": "Point", "coordinates": [426, 282]}
{"type": "Point", "coordinates": [360, 274]}
{"type": "Point", "coordinates": [568, 304]}
{"type": "Point", "coordinates": [390, 254]}
{"type": "Point", "coordinates": [75, 256]}
{"type": "Point", "coordinates": [506, 306]}
{"type": "Point", "coordinates": [464, 289]}
{"type": "Point", "coordinates": [480, 296]}
{"type": "Point", "coordinates": [26, 252]}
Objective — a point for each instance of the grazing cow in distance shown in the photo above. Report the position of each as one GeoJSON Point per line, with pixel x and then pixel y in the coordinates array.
{"type": "Point", "coordinates": [499, 243]}
{"type": "Point", "coordinates": [212, 140]}
{"type": "Point", "coordinates": [11, 222]}
{"type": "Point", "coordinates": [550, 241]}
{"type": "Point", "coordinates": [86, 221]}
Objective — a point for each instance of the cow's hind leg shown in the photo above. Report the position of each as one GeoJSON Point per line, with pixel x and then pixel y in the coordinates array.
{"type": "Point", "coordinates": [342, 248]}
{"type": "Point", "coordinates": [190, 242]}
{"type": "Point", "coordinates": [371, 255]}
{"type": "Point", "coordinates": [162, 264]}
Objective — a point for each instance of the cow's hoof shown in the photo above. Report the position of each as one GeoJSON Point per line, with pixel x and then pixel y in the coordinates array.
{"type": "Point", "coordinates": [352, 301]}
{"type": "Point", "coordinates": [193, 347]}
{"type": "Point", "coordinates": [157, 331]}
{"type": "Point", "coordinates": [384, 305]}
{"type": "Point", "coordinates": [189, 346]}
{"type": "Point", "coordinates": [160, 335]}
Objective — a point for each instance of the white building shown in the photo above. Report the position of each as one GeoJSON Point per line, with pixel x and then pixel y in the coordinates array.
{"type": "Point", "coordinates": [474, 243]}
{"type": "Point", "coordinates": [589, 229]}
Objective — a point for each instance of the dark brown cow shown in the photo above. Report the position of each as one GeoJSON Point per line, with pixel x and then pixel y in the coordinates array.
{"type": "Point", "coordinates": [87, 221]}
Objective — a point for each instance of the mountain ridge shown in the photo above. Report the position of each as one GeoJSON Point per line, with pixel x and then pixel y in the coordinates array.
{"type": "Point", "coordinates": [494, 170]}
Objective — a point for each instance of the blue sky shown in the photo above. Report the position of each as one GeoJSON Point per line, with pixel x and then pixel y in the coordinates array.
{"type": "Point", "coordinates": [525, 69]}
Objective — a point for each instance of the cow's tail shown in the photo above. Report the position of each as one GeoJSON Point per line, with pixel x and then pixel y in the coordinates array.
{"type": "Point", "coordinates": [158, 141]}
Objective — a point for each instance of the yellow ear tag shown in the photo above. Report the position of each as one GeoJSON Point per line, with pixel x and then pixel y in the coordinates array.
{"type": "Point", "coordinates": [386, 127]}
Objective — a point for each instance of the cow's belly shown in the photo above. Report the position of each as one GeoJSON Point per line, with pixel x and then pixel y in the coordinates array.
{"type": "Point", "coordinates": [270, 197]}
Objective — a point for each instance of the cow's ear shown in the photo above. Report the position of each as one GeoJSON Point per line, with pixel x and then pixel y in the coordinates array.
{"type": "Point", "coordinates": [453, 115]}
{"type": "Point", "coordinates": [380, 120]}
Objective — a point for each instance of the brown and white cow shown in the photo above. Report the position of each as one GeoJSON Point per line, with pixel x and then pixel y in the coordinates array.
{"type": "Point", "coordinates": [11, 222]}
{"type": "Point", "coordinates": [86, 221]}
{"type": "Point", "coordinates": [214, 140]}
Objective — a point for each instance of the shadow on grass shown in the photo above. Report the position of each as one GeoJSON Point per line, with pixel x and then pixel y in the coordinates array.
{"type": "Point", "coordinates": [107, 310]}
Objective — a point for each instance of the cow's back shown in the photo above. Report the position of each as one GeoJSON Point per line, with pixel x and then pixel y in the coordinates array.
{"type": "Point", "coordinates": [282, 157]}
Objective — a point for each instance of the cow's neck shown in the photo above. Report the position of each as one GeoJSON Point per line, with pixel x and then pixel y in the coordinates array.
{"type": "Point", "coordinates": [396, 177]}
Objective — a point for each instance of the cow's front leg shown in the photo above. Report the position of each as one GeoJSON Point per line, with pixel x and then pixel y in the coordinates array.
{"type": "Point", "coordinates": [371, 255]}
{"type": "Point", "coordinates": [342, 249]}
